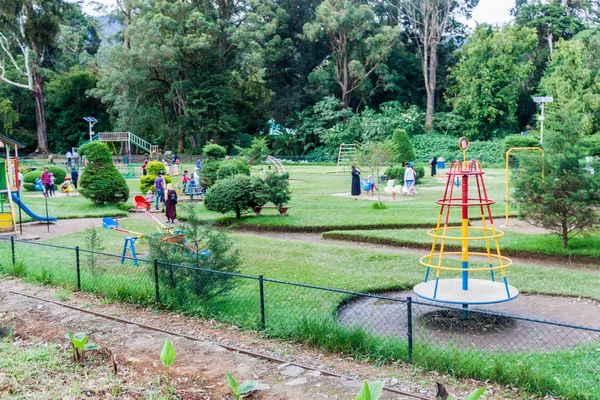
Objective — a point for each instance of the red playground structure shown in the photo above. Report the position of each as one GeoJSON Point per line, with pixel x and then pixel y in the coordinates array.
{"type": "Point", "coordinates": [464, 281]}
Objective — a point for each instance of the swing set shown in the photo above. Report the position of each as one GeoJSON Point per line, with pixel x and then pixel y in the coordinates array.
{"type": "Point", "coordinates": [168, 234]}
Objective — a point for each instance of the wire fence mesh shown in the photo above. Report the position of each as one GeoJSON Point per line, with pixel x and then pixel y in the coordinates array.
{"type": "Point", "coordinates": [542, 356]}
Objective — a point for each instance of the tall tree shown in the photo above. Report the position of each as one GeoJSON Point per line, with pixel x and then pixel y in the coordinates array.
{"type": "Point", "coordinates": [358, 44]}
{"type": "Point", "coordinates": [28, 28]}
{"type": "Point", "coordinates": [493, 67]}
{"type": "Point", "coordinates": [428, 22]}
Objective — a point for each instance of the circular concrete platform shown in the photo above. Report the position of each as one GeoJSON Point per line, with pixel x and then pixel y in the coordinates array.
{"type": "Point", "coordinates": [480, 291]}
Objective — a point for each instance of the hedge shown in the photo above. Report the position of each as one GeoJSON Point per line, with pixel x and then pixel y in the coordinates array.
{"type": "Point", "coordinates": [30, 177]}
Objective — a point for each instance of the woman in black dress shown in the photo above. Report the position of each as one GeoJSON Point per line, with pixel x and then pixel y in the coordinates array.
{"type": "Point", "coordinates": [433, 166]}
{"type": "Point", "coordinates": [355, 181]}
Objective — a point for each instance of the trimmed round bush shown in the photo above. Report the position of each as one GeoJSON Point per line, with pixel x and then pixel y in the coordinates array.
{"type": "Point", "coordinates": [239, 193]}
{"type": "Point", "coordinates": [278, 188]}
{"type": "Point", "coordinates": [229, 168]}
{"type": "Point", "coordinates": [154, 167]}
{"type": "Point", "coordinates": [397, 173]}
{"type": "Point", "coordinates": [214, 151]}
{"type": "Point", "coordinates": [100, 181]}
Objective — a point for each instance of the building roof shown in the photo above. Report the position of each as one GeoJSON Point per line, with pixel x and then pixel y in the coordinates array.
{"type": "Point", "coordinates": [11, 142]}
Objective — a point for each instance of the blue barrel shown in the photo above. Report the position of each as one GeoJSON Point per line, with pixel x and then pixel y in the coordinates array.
{"type": "Point", "coordinates": [441, 164]}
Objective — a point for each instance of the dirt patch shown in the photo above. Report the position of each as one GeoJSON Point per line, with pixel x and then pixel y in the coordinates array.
{"type": "Point", "coordinates": [200, 366]}
{"type": "Point", "coordinates": [511, 332]}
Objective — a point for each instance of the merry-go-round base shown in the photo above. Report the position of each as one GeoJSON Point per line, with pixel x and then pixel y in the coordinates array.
{"type": "Point", "coordinates": [450, 291]}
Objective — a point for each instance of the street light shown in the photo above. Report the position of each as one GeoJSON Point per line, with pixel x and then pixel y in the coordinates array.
{"type": "Point", "coordinates": [542, 100]}
{"type": "Point", "coordinates": [92, 121]}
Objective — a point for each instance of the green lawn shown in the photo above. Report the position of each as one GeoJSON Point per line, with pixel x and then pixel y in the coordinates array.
{"type": "Point", "coordinates": [512, 243]}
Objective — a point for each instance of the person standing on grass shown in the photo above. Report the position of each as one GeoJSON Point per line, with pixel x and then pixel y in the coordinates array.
{"type": "Point", "coordinates": [355, 181]}
{"type": "Point", "coordinates": [159, 189]}
{"type": "Point", "coordinates": [184, 181]}
{"type": "Point", "coordinates": [171, 204]}
{"type": "Point", "coordinates": [433, 163]}
{"type": "Point", "coordinates": [46, 182]}
{"type": "Point", "coordinates": [144, 166]}
{"type": "Point", "coordinates": [52, 187]}
{"type": "Point", "coordinates": [74, 176]}
{"type": "Point", "coordinates": [69, 158]}
{"type": "Point", "coordinates": [409, 179]}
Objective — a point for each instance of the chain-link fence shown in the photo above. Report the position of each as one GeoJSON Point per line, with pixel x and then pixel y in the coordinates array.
{"type": "Point", "coordinates": [544, 357]}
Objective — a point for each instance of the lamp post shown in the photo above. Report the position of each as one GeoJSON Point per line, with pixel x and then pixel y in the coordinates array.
{"type": "Point", "coordinates": [541, 101]}
{"type": "Point", "coordinates": [92, 121]}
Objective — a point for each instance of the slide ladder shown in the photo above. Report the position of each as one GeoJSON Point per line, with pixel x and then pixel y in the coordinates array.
{"type": "Point", "coordinates": [348, 154]}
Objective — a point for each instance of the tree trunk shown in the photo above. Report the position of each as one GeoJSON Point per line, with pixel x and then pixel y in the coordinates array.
{"type": "Point", "coordinates": [181, 143]}
{"type": "Point", "coordinates": [345, 83]}
{"type": "Point", "coordinates": [431, 84]}
{"type": "Point", "coordinates": [40, 113]}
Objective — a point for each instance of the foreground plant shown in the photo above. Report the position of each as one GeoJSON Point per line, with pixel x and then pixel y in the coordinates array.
{"type": "Point", "coordinates": [79, 343]}
{"type": "Point", "coordinates": [245, 387]}
{"type": "Point", "coordinates": [442, 393]}
{"type": "Point", "coordinates": [167, 356]}
{"type": "Point", "coordinates": [370, 391]}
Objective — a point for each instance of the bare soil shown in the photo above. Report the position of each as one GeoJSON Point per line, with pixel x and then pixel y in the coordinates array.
{"type": "Point", "coordinates": [199, 370]}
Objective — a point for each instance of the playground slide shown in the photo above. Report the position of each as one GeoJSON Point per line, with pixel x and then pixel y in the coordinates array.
{"type": "Point", "coordinates": [31, 213]}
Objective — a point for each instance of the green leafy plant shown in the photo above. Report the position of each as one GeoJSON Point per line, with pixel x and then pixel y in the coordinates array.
{"type": "Point", "coordinates": [442, 393]}
{"type": "Point", "coordinates": [214, 151]}
{"type": "Point", "coordinates": [370, 391]}
{"type": "Point", "coordinates": [79, 344]}
{"type": "Point", "coordinates": [238, 390]}
{"type": "Point", "coordinates": [154, 167]}
{"type": "Point", "coordinates": [238, 193]}
{"type": "Point", "coordinates": [93, 242]}
{"type": "Point", "coordinates": [167, 356]}
{"type": "Point", "coordinates": [277, 188]}
{"type": "Point", "coordinates": [30, 177]}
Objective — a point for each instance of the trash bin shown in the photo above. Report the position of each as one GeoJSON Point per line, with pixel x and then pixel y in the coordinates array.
{"type": "Point", "coordinates": [441, 163]}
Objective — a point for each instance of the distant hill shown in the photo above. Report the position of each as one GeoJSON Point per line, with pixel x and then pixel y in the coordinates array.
{"type": "Point", "coordinates": [107, 28]}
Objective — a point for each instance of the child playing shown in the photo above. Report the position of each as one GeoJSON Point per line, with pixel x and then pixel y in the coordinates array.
{"type": "Point", "coordinates": [185, 180]}
{"type": "Point", "coordinates": [150, 196]}
{"type": "Point", "coordinates": [52, 187]}
{"type": "Point", "coordinates": [65, 187]}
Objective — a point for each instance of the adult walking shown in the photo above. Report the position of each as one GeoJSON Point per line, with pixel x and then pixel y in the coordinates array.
{"type": "Point", "coordinates": [74, 177]}
{"type": "Point", "coordinates": [355, 181]}
{"type": "Point", "coordinates": [47, 182]}
{"type": "Point", "coordinates": [433, 166]}
{"type": "Point", "coordinates": [69, 158]}
{"type": "Point", "coordinates": [409, 179]}
{"type": "Point", "coordinates": [171, 204]}
{"type": "Point", "coordinates": [159, 188]}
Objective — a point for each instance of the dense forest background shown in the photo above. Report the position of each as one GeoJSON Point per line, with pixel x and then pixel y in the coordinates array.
{"type": "Point", "coordinates": [308, 74]}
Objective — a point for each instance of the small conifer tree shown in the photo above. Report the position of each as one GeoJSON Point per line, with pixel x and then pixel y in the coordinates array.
{"type": "Point", "coordinates": [100, 181]}
{"type": "Point", "coordinates": [404, 149]}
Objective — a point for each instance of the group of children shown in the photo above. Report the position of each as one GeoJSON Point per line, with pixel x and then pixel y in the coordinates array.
{"type": "Point", "coordinates": [49, 185]}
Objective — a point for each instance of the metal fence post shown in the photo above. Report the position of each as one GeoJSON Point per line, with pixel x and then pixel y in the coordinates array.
{"type": "Point", "coordinates": [410, 327]}
{"type": "Point", "coordinates": [78, 268]}
{"type": "Point", "coordinates": [156, 286]}
{"type": "Point", "coordinates": [262, 301]}
{"type": "Point", "coordinates": [12, 248]}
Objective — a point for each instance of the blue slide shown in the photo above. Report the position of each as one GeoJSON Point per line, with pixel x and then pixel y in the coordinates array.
{"type": "Point", "coordinates": [31, 213]}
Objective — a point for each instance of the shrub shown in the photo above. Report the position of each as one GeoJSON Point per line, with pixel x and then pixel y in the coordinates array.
{"type": "Point", "coordinates": [277, 188]}
{"type": "Point", "coordinates": [520, 141]}
{"type": "Point", "coordinates": [214, 151]}
{"type": "Point", "coordinates": [100, 181]}
{"type": "Point", "coordinates": [232, 167]}
{"type": "Point", "coordinates": [209, 172]}
{"type": "Point", "coordinates": [435, 144]}
{"type": "Point", "coordinates": [397, 173]}
{"type": "Point", "coordinates": [154, 167]}
{"type": "Point", "coordinates": [238, 193]}
{"type": "Point", "coordinates": [147, 182]}
{"type": "Point", "coordinates": [30, 177]}
{"type": "Point", "coordinates": [404, 149]}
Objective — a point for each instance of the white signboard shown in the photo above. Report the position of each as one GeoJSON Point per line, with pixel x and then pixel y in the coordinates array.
{"type": "Point", "coordinates": [543, 99]}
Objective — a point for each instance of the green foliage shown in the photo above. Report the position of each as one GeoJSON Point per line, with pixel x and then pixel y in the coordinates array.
{"type": "Point", "coordinates": [404, 149]}
{"type": "Point", "coordinates": [93, 242]}
{"type": "Point", "coordinates": [100, 181]}
{"type": "Point", "coordinates": [370, 391]}
{"type": "Point", "coordinates": [154, 167]}
{"type": "Point", "coordinates": [493, 66]}
{"type": "Point", "coordinates": [30, 177]}
{"type": "Point", "coordinates": [277, 188]}
{"type": "Point", "coordinates": [229, 168]}
{"type": "Point", "coordinates": [214, 151]}
{"type": "Point", "coordinates": [442, 393]}
{"type": "Point", "coordinates": [147, 182]}
{"type": "Point", "coordinates": [573, 79]}
{"type": "Point", "coordinates": [238, 193]}
{"type": "Point", "coordinates": [79, 344]}
{"type": "Point", "coordinates": [520, 141]}
{"type": "Point", "coordinates": [167, 356]}
{"type": "Point", "coordinates": [565, 200]}
{"type": "Point", "coordinates": [209, 172]}
{"type": "Point", "coordinates": [195, 285]}
{"type": "Point", "coordinates": [257, 153]}
{"type": "Point", "coordinates": [379, 206]}
{"type": "Point", "coordinates": [239, 390]}
{"type": "Point", "coordinates": [397, 173]}
{"type": "Point", "coordinates": [8, 116]}
{"type": "Point", "coordinates": [434, 144]}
